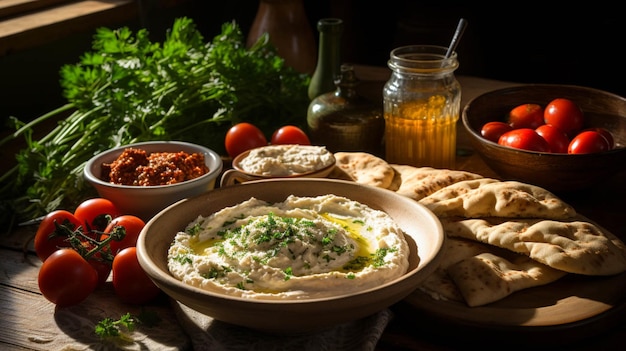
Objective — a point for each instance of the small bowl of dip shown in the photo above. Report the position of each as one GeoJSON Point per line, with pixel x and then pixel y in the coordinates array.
{"type": "Point", "coordinates": [143, 178]}
{"type": "Point", "coordinates": [280, 161]}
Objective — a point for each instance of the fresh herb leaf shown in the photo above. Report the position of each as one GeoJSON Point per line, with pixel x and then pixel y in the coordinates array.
{"type": "Point", "coordinates": [110, 328]}
{"type": "Point", "coordinates": [123, 327]}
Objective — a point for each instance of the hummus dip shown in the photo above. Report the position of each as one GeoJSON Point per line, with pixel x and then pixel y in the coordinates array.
{"type": "Point", "coordinates": [304, 247]}
{"type": "Point", "coordinates": [286, 160]}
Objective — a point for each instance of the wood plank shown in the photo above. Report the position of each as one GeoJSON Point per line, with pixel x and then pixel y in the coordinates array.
{"type": "Point", "coordinates": [43, 27]}
{"type": "Point", "coordinates": [14, 7]}
{"type": "Point", "coordinates": [19, 269]}
{"type": "Point", "coordinates": [31, 322]}
{"type": "Point", "coordinates": [63, 13]}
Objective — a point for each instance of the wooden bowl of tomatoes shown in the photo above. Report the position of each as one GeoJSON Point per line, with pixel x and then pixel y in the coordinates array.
{"type": "Point", "coordinates": [560, 137]}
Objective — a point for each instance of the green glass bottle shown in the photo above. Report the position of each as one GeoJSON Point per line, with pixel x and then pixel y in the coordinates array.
{"type": "Point", "coordinates": [328, 57]}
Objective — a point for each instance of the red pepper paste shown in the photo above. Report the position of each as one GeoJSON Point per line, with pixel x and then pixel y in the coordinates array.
{"type": "Point", "coordinates": [136, 167]}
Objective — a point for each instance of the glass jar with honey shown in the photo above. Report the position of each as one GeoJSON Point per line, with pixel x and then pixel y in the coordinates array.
{"type": "Point", "coordinates": [421, 103]}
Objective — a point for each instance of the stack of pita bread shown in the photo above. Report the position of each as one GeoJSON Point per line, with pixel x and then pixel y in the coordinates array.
{"type": "Point", "coordinates": [501, 236]}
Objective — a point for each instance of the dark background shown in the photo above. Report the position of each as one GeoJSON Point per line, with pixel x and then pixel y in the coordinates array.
{"type": "Point", "coordinates": [526, 43]}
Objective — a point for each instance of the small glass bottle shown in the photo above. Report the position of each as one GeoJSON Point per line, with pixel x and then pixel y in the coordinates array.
{"type": "Point", "coordinates": [343, 120]}
{"type": "Point", "coordinates": [328, 57]}
{"type": "Point", "coordinates": [421, 103]}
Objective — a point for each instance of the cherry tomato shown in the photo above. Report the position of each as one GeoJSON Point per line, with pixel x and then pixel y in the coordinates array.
{"type": "Point", "coordinates": [556, 138]}
{"type": "Point", "coordinates": [50, 237]}
{"type": "Point", "coordinates": [526, 116]}
{"type": "Point", "coordinates": [242, 137]}
{"type": "Point", "coordinates": [131, 283]}
{"type": "Point", "coordinates": [96, 213]}
{"type": "Point", "coordinates": [290, 135]}
{"type": "Point", "coordinates": [606, 134]}
{"type": "Point", "coordinates": [524, 138]}
{"type": "Point", "coordinates": [102, 267]}
{"type": "Point", "coordinates": [132, 226]}
{"type": "Point", "coordinates": [493, 130]}
{"type": "Point", "coordinates": [588, 142]}
{"type": "Point", "coordinates": [66, 278]}
{"type": "Point", "coordinates": [565, 115]}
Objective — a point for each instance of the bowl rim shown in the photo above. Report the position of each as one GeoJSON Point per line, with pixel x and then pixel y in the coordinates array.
{"type": "Point", "coordinates": [165, 277]}
{"type": "Point", "coordinates": [237, 160]}
{"type": "Point", "coordinates": [477, 137]}
{"type": "Point", "coordinates": [213, 172]}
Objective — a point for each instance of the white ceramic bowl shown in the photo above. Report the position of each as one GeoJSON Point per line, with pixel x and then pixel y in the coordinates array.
{"type": "Point", "coordinates": [238, 175]}
{"type": "Point", "coordinates": [422, 228]}
{"type": "Point", "coordinates": [146, 201]}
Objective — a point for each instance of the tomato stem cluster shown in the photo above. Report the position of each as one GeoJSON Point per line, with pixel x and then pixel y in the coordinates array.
{"type": "Point", "coordinates": [86, 245]}
{"type": "Point", "coordinates": [81, 250]}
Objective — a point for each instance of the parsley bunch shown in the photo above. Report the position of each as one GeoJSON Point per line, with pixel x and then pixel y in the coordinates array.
{"type": "Point", "coordinates": [130, 89]}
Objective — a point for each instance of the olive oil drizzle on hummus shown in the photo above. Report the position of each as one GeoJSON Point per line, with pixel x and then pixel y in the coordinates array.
{"type": "Point", "coordinates": [279, 233]}
{"type": "Point", "coordinates": [257, 248]}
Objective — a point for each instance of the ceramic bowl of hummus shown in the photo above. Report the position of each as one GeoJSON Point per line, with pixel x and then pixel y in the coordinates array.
{"type": "Point", "coordinates": [144, 178]}
{"type": "Point", "coordinates": [279, 161]}
{"type": "Point", "coordinates": [291, 255]}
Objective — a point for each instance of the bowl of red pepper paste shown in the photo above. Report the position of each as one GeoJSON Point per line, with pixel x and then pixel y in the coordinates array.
{"type": "Point", "coordinates": [144, 178]}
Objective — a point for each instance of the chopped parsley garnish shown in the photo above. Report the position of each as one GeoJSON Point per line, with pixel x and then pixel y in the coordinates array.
{"type": "Point", "coordinates": [379, 256]}
{"type": "Point", "coordinates": [357, 263]}
{"type": "Point", "coordinates": [184, 259]}
{"type": "Point", "coordinates": [195, 229]}
{"type": "Point", "coordinates": [216, 272]}
{"type": "Point", "coordinates": [377, 259]}
{"type": "Point", "coordinates": [288, 273]}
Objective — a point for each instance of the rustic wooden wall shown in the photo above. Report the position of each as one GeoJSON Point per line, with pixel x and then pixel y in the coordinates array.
{"type": "Point", "coordinates": [531, 43]}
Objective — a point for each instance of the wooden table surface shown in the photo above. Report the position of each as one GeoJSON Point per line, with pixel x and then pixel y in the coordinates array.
{"type": "Point", "coordinates": [29, 322]}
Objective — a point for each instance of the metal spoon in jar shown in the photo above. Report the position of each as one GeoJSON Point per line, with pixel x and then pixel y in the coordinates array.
{"type": "Point", "coordinates": [460, 28]}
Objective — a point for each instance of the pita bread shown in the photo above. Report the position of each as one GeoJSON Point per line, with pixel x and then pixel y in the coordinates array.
{"type": "Point", "coordinates": [477, 274]}
{"type": "Point", "coordinates": [397, 177]}
{"type": "Point", "coordinates": [486, 278]}
{"type": "Point", "coordinates": [439, 285]}
{"type": "Point", "coordinates": [488, 197]}
{"type": "Point", "coordinates": [363, 168]}
{"type": "Point", "coordinates": [419, 182]}
{"type": "Point", "coordinates": [572, 246]}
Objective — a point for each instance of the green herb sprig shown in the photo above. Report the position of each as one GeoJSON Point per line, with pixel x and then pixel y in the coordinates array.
{"type": "Point", "coordinates": [122, 328]}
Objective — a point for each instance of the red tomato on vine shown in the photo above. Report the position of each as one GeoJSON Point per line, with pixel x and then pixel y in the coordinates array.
{"type": "Point", "coordinates": [132, 227]}
{"type": "Point", "coordinates": [53, 231]}
{"type": "Point", "coordinates": [96, 213]}
{"type": "Point", "coordinates": [131, 283]}
{"type": "Point", "coordinates": [66, 278]}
